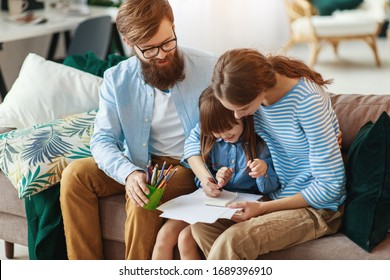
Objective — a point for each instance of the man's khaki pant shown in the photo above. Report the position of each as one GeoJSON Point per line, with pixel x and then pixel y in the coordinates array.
{"type": "Point", "coordinates": [83, 183]}
{"type": "Point", "coordinates": [227, 240]}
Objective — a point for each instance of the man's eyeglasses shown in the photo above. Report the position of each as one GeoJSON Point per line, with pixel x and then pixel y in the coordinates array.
{"type": "Point", "coordinates": [166, 47]}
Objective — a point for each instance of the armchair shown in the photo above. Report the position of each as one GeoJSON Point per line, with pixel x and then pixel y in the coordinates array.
{"type": "Point", "coordinates": [306, 26]}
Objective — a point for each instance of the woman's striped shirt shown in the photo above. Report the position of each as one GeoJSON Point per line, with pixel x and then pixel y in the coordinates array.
{"type": "Point", "coordinates": [301, 131]}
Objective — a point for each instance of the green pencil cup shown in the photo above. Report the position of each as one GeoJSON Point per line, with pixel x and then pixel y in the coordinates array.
{"type": "Point", "coordinates": [154, 197]}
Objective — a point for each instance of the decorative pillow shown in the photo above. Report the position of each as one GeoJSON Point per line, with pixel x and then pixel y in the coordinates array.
{"type": "Point", "coordinates": [33, 158]}
{"type": "Point", "coordinates": [45, 91]}
{"type": "Point", "coordinates": [367, 209]}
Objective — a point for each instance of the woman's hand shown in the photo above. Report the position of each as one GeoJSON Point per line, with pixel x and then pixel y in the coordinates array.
{"type": "Point", "coordinates": [223, 176]}
{"type": "Point", "coordinates": [248, 210]}
{"type": "Point", "coordinates": [257, 168]}
{"type": "Point", "coordinates": [340, 139]}
{"type": "Point", "coordinates": [136, 188]}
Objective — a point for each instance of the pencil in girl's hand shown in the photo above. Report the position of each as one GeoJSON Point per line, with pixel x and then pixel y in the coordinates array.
{"type": "Point", "coordinates": [211, 174]}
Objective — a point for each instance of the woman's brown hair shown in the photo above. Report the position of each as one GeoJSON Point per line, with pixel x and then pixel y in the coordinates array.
{"type": "Point", "coordinates": [240, 75]}
{"type": "Point", "coordinates": [214, 117]}
{"type": "Point", "coordinates": [138, 20]}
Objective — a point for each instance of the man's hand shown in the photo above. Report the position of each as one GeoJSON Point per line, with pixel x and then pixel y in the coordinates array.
{"type": "Point", "coordinates": [257, 168]}
{"type": "Point", "coordinates": [136, 188]}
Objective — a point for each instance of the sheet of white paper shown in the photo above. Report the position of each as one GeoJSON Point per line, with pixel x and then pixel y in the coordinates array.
{"type": "Point", "coordinates": [191, 208]}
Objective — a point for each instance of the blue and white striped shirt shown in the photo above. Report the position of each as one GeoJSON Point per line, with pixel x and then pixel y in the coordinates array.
{"type": "Point", "coordinates": [301, 131]}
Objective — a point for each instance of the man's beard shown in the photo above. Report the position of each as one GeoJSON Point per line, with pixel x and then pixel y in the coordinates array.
{"type": "Point", "coordinates": [163, 77]}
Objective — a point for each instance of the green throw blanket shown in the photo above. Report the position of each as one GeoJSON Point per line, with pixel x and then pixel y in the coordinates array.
{"type": "Point", "coordinates": [46, 240]}
{"type": "Point", "coordinates": [91, 64]}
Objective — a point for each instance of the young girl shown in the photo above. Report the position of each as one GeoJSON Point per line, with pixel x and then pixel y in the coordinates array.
{"type": "Point", "coordinates": [227, 147]}
{"type": "Point", "coordinates": [294, 116]}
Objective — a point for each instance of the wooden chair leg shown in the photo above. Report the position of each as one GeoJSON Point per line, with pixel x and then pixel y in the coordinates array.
{"type": "Point", "coordinates": [9, 250]}
{"type": "Point", "coordinates": [335, 45]}
{"type": "Point", "coordinates": [371, 41]}
{"type": "Point", "coordinates": [289, 44]}
{"type": "Point", "coordinates": [315, 49]}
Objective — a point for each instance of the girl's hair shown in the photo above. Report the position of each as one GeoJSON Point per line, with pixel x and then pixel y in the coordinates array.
{"type": "Point", "coordinates": [214, 117]}
{"type": "Point", "coordinates": [240, 75]}
{"type": "Point", "coordinates": [138, 20]}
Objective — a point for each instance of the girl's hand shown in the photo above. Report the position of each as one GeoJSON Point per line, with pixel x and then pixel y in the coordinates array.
{"type": "Point", "coordinates": [210, 188]}
{"type": "Point", "coordinates": [257, 168]}
{"type": "Point", "coordinates": [249, 209]}
{"type": "Point", "coordinates": [223, 176]}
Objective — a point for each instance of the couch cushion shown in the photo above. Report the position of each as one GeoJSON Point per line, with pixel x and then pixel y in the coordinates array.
{"type": "Point", "coordinates": [354, 110]}
{"type": "Point", "coordinates": [329, 26]}
{"type": "Point", "coordinates": [333, 247]}
{"type": "Point", "coordinates": [9, 201]}
{"type": "Point", "coordinates": [33, 158]}
{"type": "Point", "coordinates": [338, 26]}
{"type": "Point", "coordinates": [113, 217]}
{"type": "Point", "coordinates": [367, 209]}
{"type": "Point", "coordinates": [45, 91]}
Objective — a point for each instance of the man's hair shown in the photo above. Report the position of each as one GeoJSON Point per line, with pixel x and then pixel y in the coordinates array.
{"type": "Point", "coordinates": [138, 20]}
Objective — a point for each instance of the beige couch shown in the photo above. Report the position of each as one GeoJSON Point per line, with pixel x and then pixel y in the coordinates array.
{"type": "Point", "coordinates": [352, 110]}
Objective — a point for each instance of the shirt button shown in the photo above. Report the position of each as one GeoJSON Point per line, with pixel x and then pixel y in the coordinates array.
{"type": "Point", "coordinates": [144, 144]}
{"type": "Point", "coordinates": [146, 119]}
{"type": "Point", "coordinates": [232, 160]}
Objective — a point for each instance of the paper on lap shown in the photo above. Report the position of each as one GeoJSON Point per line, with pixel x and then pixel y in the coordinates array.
{"type": "Point", "coordinates": [192, 209]}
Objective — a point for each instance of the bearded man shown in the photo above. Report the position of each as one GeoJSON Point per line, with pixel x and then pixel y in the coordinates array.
{"type": "Point", "coordinates": [148, 106]}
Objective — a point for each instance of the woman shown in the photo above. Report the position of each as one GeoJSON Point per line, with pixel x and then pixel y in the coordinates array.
{"type": "Point", "coordinates": [294, 116]}
{"type": "Point", "coordinates": [227, 147]}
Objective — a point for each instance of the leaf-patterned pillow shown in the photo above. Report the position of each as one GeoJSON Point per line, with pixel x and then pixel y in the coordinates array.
{"type": "Point", "coordinates": [33, 158]}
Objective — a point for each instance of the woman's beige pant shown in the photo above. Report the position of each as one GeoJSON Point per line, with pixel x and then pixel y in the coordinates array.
{"type": "Point", "coordinates": [227, 240]}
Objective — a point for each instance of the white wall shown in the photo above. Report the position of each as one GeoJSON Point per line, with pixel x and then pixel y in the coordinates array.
{"type": "Point", "coordinates": [219, 25]}
{"type": "Point", "coordinates": [214, 25]}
